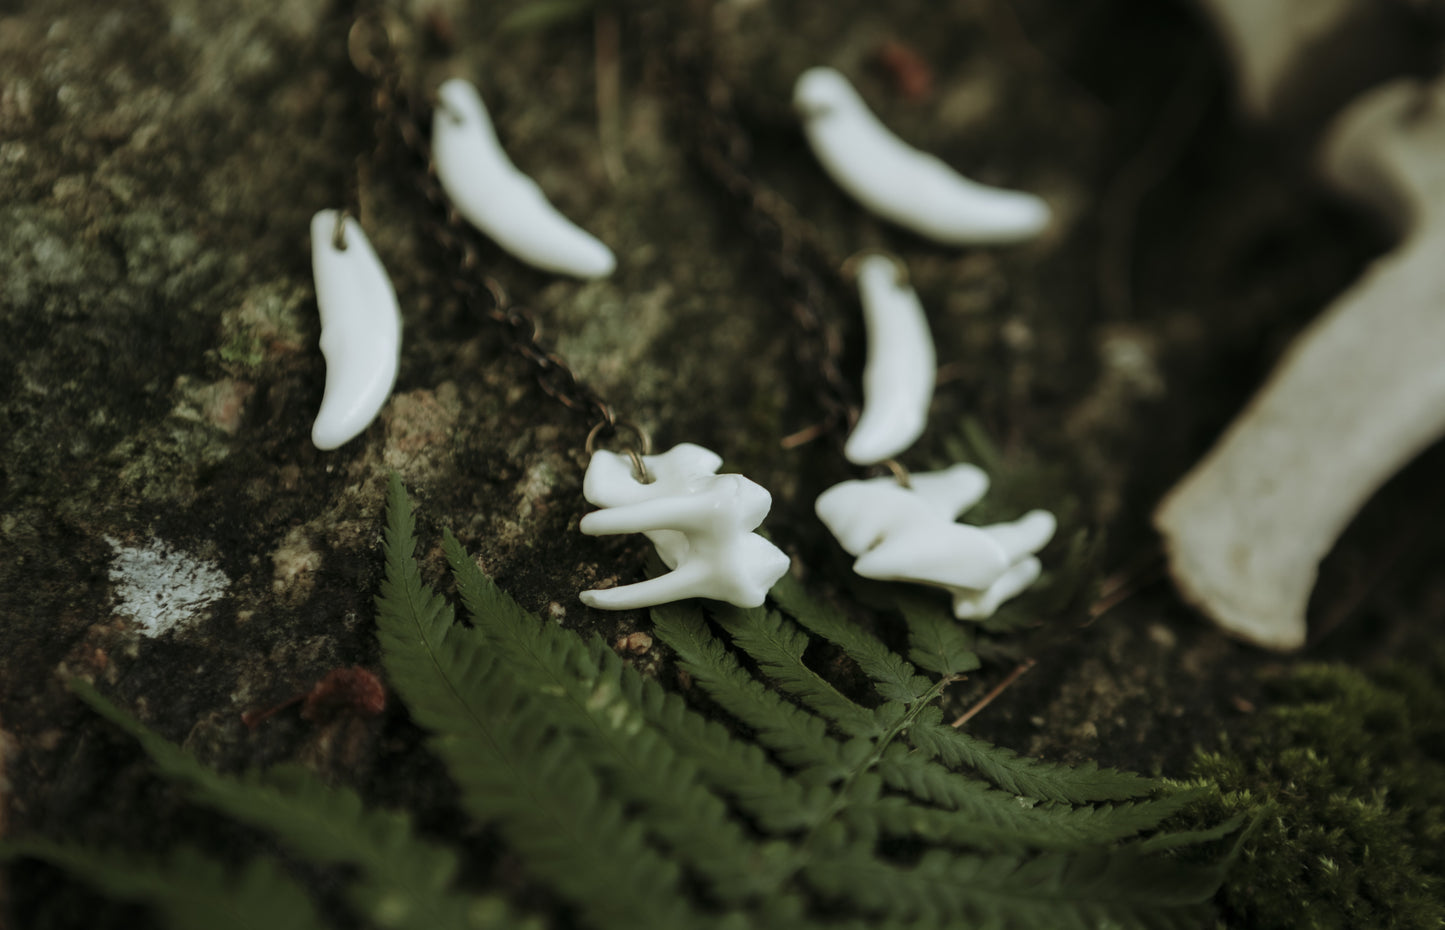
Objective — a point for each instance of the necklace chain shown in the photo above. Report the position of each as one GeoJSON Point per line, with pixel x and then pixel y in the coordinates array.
{"type": "Point", "coordinates": [721, 148]}
{"type": "Point", "coordinates": [399, 117]}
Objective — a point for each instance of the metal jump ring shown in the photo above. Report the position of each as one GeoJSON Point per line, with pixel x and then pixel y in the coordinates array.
{"type": "Point", "coordinates": [849, 268]}
{"type": "Point", "coordinates": [338, 232]}
{"type": "Point", "coordinates": [639, 470]}
{"type": "Point", "coordinates": [899, 472]}
{"type": "Point", "coordinates": [446, 109]}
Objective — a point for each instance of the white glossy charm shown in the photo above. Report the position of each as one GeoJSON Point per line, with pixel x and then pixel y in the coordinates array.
{"type": "Point", "coordinates": [501, 201]}
{"type": "Point", "coordinates": [898, 377]}
{"type": "Point", "coordinates": [898, 182]}
{"type": "Point", "coordinates": [909, 534]}
{"type": "Point", "coordinates": [700, 521]}
{"type": "Point", "coordinates": [360, 329]}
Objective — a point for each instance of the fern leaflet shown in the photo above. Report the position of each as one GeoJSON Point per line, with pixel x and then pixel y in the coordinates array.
{"type": "Point", "coordinates": [894, 678]}
{"type": "Point", "coordinates": [800, 739]}
{"type": "Point", "coordinates": [190, 890]}
{"type": "Point", "coordinates": [936, 641]}
{"type": "Point", "coordinates": [777, 645]}
{"type": "Point", "coordinates": [404, 880]}
{"type": "Point", "coordinates": [1084, 784]}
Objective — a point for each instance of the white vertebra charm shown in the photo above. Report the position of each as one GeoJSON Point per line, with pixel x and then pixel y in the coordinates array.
{"type": "Point", "coordinates": [700, 521]}
{"type": "Point", "coordinates": [898, 182]}
{"type": "Point", "coordinates": [898, 379]}
{"type": "Point", "coordinates": [360, 328]}
{"type": "Point", "coordinates": [498, 199]}
{"type": "Point", "coordinates": [908, 534]}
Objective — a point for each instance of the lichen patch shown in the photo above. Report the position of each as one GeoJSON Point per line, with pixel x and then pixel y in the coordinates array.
{"type": "Point", "coordinates": [295, 564]}
{"type": "Point", "coordinates": [161, 589]}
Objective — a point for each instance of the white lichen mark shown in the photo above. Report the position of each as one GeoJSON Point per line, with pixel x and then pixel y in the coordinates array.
{"type": "Point", "coordinates": [161, 589]}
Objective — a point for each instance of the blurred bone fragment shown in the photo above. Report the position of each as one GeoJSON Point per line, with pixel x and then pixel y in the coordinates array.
{"type": "Point", "coordinates": [1306, 57]}
{"type": "Point", "coordinates": [1358, 395]}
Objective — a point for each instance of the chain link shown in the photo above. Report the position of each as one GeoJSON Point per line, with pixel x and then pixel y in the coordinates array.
{"type": "Point", "coordinates": [399, 116]}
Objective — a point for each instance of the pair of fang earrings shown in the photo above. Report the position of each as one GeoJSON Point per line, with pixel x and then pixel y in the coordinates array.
{"type": "Point", "coordinates": [702, 522]}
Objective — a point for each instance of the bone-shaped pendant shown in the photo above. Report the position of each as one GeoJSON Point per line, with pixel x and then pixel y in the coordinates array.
{"type": "Point", "coordinates": [701, 523]}
{"type": "Point", "coordinates": [1359, 394]}
{"type": "Point", "coordinates": [909, 534]}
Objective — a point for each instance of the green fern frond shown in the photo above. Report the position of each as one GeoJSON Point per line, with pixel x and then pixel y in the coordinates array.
{"type": "Point", "coordinates": [893, 677]}
{"type": "Point", "coordinates": [613, 733]}
{"type": "Point", "coordinates": [514, 766]}
{"type": "Point", "coordinates": [1062, 891]}
{"type": "Point", "coordinates": [403, 881]}
{"type": "Point", "coordinates": [1083, 784]}
{"type": "Point", "coordinates": [778, 803]}
{"type": "Point", "coordinates": [937, 642]}
{"type": "Point", "coordinates": [777, 645]}
{"type": "Point", "coordinates": [1168, 842]}
{"type": "Point", "coordinates": [985, 819]}
{"type": "Point", "coordinates": [188, 889]}
{"type": "Point", "coordinates": [798, 738]}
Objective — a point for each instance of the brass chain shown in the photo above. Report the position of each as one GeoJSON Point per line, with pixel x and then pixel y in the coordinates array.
{"type": "Point", "coordinates": [399, 116]}
{"type": "Point", "coordinates": [722, 148]}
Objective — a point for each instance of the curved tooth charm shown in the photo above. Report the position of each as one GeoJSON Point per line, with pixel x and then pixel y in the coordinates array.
{"type": "Point", "coordinates": [360, 328]}
{"type": "Point", "coordinates": [898, 378]}
{"type": "Point", "coordinates": [898, 182]}
{"type": "Point", "coordinates": [908, 534]}
{"type": "Point", "coordinates": [701, 523]}
{"type": "Point", "coordinates": [498, 199]}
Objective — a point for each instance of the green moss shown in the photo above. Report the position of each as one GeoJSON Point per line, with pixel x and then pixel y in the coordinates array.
{"type": "Point", "coordinates": [244, 348]}
{"type": "Point", "coordinates": [1345, 779]}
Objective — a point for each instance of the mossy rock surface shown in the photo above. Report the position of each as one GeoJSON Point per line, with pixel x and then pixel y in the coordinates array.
{"type": "Point", "coordinates": [159, 165]}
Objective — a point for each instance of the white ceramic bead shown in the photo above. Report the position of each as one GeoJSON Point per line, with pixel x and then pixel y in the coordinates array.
{"type": "Point", "coordinates": [898, 182]}
{"type": "Point", "coordinates": [360, 329]}
{"type": "Point", "coordinates": [701, 523]}
{"type": "Point", "coordinates": [909, 534]}
{"type": "Point", "coordinates": [898, 377]}
{"type": "Point", "coordinates": [501, 201]}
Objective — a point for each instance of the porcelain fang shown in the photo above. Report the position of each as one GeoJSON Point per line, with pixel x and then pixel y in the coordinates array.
{"type": "Point", "coordinates": [360, 329]}
{"type": "Point", "coordinates": [908, 534]}
{"type": "Point", "coordinates": [899, 183]}
{"type": "Point", "coordinates": [700, 521]}
{"type": "Point", "coordinates": [500, 200]}
{"type": "Point", "coordinates": [898, 379]}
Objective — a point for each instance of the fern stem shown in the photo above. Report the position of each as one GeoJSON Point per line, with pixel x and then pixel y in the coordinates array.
{"type": "Point", "coordinates": [843, 796]}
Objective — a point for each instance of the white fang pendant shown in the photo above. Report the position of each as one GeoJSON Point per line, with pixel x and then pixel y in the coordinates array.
{"type": "Point", "coordinates": [360, 328]}
{"type": "Point", "coordinates": [701, 523]}
{"type": "Point", "coordinates": [898, 182]}
{"type": "Point", "coordinates": [898, 378]}
{"type": "Point", "coordinates": [909, 534]}
{"type": "Point", "coordinates": [501, 201]}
